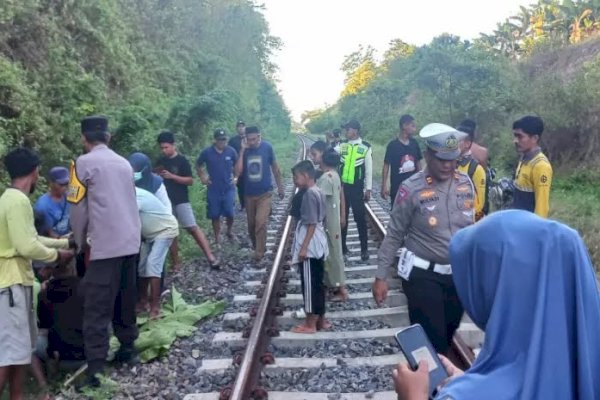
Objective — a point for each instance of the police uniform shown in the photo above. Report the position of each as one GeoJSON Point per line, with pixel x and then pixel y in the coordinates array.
{"type": "Point", "coordinates": [356, 173]}
{"type": "Point", "coordinates": [104, 214]}
{"type": "Point", "coordinates": [533, 179]}
{"type": "Point", "coordinates": [425, 216]}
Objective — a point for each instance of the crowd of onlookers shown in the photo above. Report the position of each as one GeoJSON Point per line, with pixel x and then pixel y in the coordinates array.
{"type": "Point", "coordinates": [90, 255]}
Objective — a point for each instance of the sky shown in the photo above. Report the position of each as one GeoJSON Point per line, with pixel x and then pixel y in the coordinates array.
{"type": "Point", "coordinates": [317, 34]}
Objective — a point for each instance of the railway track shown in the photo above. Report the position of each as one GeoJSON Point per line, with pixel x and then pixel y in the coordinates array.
{"type": "Point", "coordinates": [353, 360]}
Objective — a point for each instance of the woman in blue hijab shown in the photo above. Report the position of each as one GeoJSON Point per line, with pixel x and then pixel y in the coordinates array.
{"type": "Point", "coordinates": [530, 285]}
{"type": "Point", "coordinates": [145, 179]}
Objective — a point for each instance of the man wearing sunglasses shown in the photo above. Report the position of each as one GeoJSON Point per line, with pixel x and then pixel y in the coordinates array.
{"type": "Point", "coordinates": [219, 160]}
{"type": "Point", "coordinates": [54, 206]}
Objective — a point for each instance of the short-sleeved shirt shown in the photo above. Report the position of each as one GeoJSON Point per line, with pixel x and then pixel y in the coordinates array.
{"type": "Point", "coordinates": [257, 169]}
{"type": "Point", "coordinates": [220, 167]}
{"type": "Point", "coordinates": [56, 213]}
{"type": "Point", "coordinates": [312, 212]}
{"type": "Point", "coordinates": [403, 160]}
{"type": "Point", "coordinates": [178, 165]}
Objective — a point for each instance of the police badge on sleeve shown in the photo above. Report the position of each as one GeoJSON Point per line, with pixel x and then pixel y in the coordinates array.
{"type": "Point", "coordinates": [77, 190]}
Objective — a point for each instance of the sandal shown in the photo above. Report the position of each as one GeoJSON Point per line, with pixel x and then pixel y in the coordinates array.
{"type": "Point", "coordinates": [215, 264]}
{"type": "Point", "coordinates": [324, 325]}
{"type": "Point", "coordinates": [303, 329]}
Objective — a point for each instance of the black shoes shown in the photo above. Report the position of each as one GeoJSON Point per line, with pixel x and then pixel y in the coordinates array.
{"type": "Point", "coordinates": [127, 354]}
{"type": "Point", "coordinates": [364, 255]}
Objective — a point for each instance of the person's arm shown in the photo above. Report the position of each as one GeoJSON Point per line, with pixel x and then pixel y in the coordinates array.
{"type": "Point", "coordinates": [542, 181]}
{"type": "Point", "coordinates": [343, 216]}
{"type": "Point", "coordinates": [204, 178]}
{"type": "Point", "coordinates": [79, 205]}
{"type": "Point", "coordinates": [385, 191]}
{"type": "Point", "coordinates": [182, 180]}
{"type": "Point", "coordinates": [277, 174]}
{"type": "Point", "coordinates": [163, 196]}
{"type": "Point", "coordinates": [479, 182]}
{"type": "Point", "coordinates": [239, 165]}
{"type": "Point", "coordinates": [397, 229]}
{"type": "Point", "coordinates": [310, 231]}
{"type": "Point", "coordinates": [54, 243]}
{"type": "Point", "coordinates": [24, 238]}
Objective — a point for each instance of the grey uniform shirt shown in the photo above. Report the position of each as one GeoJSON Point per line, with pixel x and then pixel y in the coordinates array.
{"type": "Point", "coordinates": [104, 204]}
{"type": "Point", "coordinates": [426, 215]}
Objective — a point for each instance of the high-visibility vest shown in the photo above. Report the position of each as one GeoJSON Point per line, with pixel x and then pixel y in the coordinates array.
{"type": "Point", "coordinates": [353, 156]}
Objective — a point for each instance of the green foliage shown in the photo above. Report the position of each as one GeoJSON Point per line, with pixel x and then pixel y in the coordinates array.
{"type": "Point", "coordinates": [186, 65]}
{"type": "Point", "coordinates": [107, 389]}
{"type": "Point", "coordinates": [178, 319]}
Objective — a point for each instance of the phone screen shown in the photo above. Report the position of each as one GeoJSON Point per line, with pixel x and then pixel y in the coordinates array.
{"type": "Point", "coordinates": [415, 346]}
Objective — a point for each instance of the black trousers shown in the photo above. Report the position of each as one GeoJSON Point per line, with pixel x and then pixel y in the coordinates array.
{"type": "Point", "coordinates": [354, 196]}
{"type": "Point", "coordinates": [110, 295]}
{"type": "Point", "coordinates": [240, 190]}
{"type": "Point", "coordinates": [312, 273]}
{"type": "Point", "coordinates": [433, 303]}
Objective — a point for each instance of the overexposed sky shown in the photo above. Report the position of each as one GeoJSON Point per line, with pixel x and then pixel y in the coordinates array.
{"type": "Point", "coordinates": [317, 34]}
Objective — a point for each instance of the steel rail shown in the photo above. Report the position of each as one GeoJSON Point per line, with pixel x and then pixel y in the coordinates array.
{"type": "Point", "coordinates": [249, 371]}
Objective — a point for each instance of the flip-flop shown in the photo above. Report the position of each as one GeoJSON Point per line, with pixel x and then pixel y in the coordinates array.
{"type": "Point", "coordinates": [325, 326]}
{"type": "Point", "coordinates": [303, 329]}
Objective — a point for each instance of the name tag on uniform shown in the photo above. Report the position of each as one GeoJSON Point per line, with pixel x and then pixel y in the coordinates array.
{"type": "Point", "coordinates": [406, 260]}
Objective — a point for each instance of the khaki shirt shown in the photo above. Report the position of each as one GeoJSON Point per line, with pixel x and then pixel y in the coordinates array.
{"type": "Point", "coordinates": [426, 215]}
{"type": "Point", "coordinates": [104, 206]}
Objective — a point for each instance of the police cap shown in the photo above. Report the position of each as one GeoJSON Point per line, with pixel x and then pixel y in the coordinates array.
{"type": "Point", "coordinates": [94, 124]}
{"type": "Point", "coordinates": [442, 139]}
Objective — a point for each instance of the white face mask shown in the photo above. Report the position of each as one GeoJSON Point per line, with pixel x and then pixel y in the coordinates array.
{"type": "Point", "coordinates": [137, 176]}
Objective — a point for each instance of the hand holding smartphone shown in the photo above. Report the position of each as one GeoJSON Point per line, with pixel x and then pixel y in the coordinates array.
{"type": "Point", "coordinates": [415, 346]}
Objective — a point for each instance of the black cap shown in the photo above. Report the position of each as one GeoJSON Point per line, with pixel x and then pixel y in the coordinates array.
{"type": "Point", "coordinates": [352, 124]}
{"type": "Point", "coordinates": [220, 134]}
{"type": "Point", "coordinates": [240, 123]}
{"type": "Point", "coordinates": [94, 124]}
{"type": "Point", "coordinates": [252, 129]}
{"type": "Point", "coordinates": [166, 137]}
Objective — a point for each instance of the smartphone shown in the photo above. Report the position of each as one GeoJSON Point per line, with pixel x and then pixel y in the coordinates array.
{"type": "Point", "coordinates": [415, 346]}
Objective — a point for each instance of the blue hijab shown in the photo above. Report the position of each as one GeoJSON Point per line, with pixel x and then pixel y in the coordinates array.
{"type": "Point", "coordinates": [149, 181]}
{"type": "Point", "coordinates": [529, 284]}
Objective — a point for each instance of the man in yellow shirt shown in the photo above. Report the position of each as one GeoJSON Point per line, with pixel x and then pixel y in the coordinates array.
{"type": "Point", "coordinates": [533, 177]}
{"type": "Point", "coordinates": [19, 244]}
{"type": "Point", "coordinates": [467, 164]}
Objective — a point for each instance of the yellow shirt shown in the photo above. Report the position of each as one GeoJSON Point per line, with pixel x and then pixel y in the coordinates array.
{"type": "Point", "coordinates": [532, 184]}
{"type": "Point", "coordinates": [479, 182]}
{"type": "Point", "coordinates": [19, 242]}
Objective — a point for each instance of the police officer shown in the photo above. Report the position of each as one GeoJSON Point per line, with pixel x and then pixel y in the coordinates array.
{"type": "Point", "coordinates": [430, 207]}
{"type": "Point", "coordinates": [356, 172]}
{"type": "Point", "coordinates": [104, 216]}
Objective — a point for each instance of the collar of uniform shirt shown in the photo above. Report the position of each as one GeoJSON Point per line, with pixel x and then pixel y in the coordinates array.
{"type": "Point", "coordinates": [355, 141]}
{"type": "Point", "coordinates": [531, 153]}
{"type": "Point", "coordinates": [99, 146]}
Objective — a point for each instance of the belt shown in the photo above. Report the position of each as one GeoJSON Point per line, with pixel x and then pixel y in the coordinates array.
{"type": "Point", "coordinates": [444, 269]}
